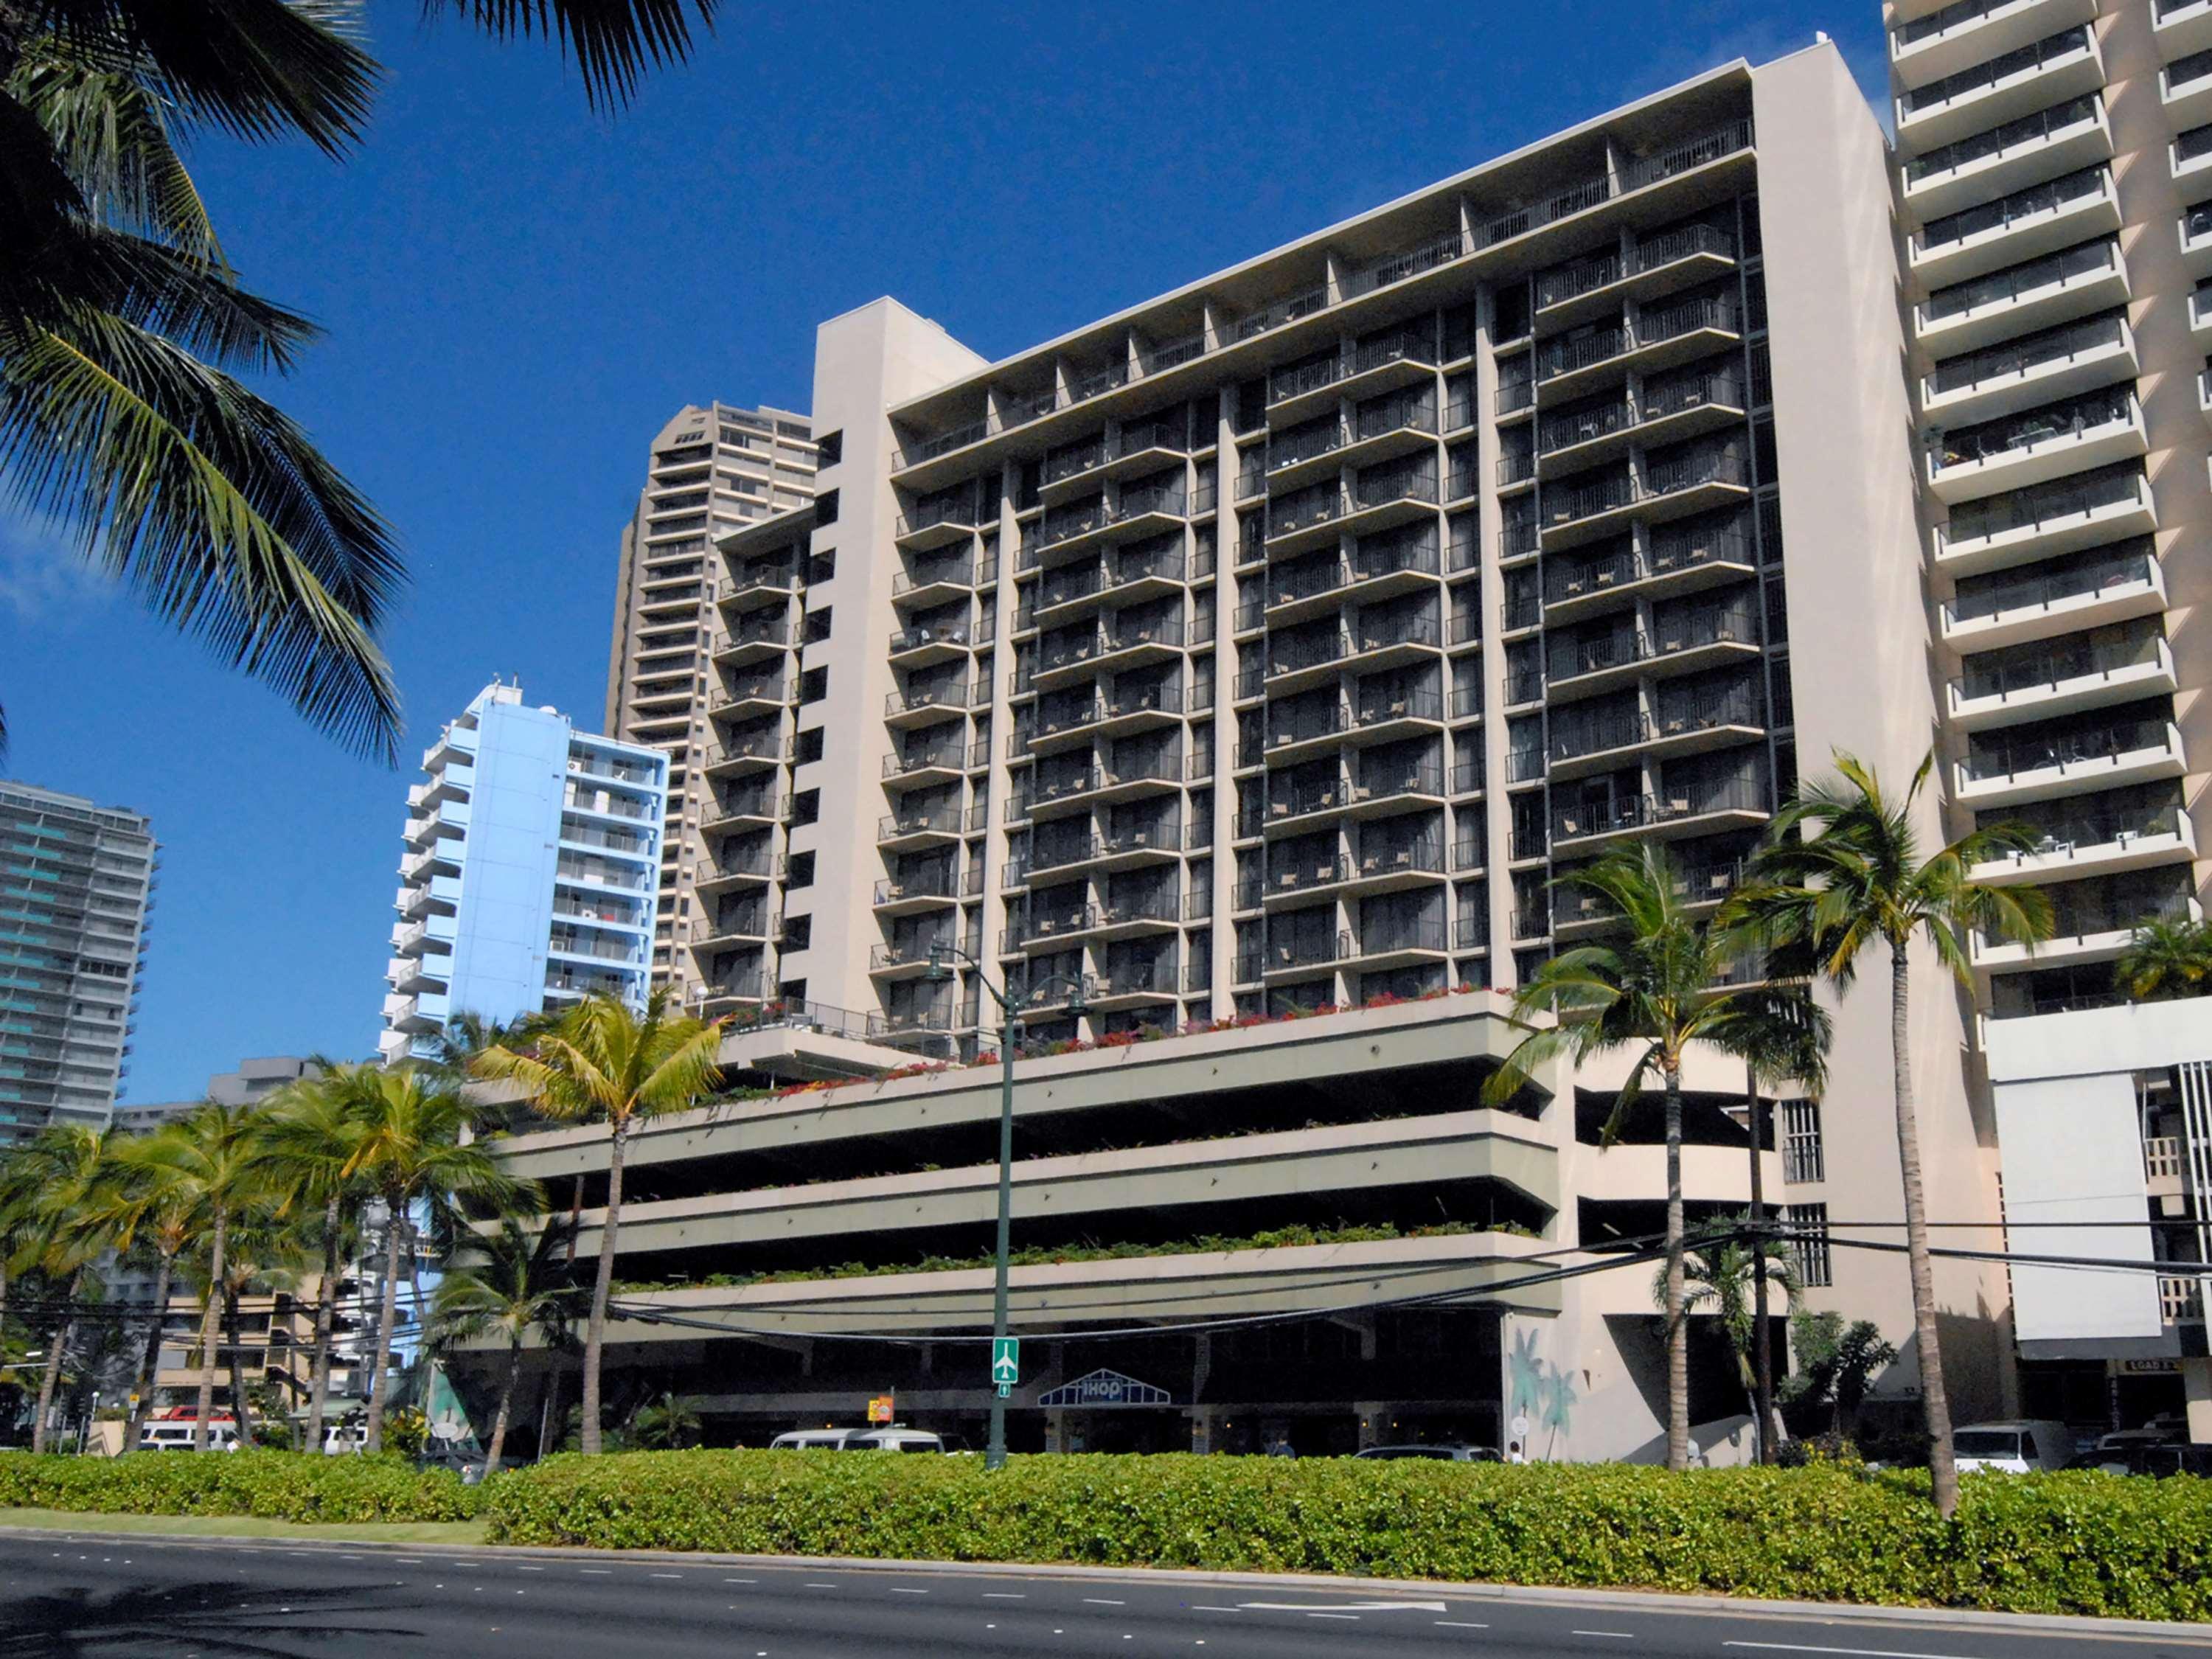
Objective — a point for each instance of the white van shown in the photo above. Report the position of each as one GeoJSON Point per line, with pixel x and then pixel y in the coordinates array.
{"type": "Point", "coordinates": [809, 1440]}
{"type": "Point", "coordinates": [891, 1440]}
{"type": "Point", "coordinates": [2028, 1446]}
{"type": "Point", "coordinates": [178, 1436]}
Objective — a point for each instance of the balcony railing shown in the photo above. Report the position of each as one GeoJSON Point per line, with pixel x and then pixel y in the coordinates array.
{"type": "Point", "coordinates": [2001, 674]}
{"type": "Point", "coordinates": [2034, 592]}
{"type": "Point", "coordinates": [1380, 708]}
{"type": "Point", "coordinates": [2029, 129]}
{"type": "Point", "coordinates": [2056, 345]}
{"type": "Point", "coordinates": [957, 573]}
{"type": "Point", "coordinates": [2062, 498]}
{"type": "Point", "coordinates": [914, 699]}
{"type": "Point", "coordinates": [2007, 756]}
{"type": "Point", "coordinates": [2057, 830]}
{"type": "Point", "coordinates": [2034, 200]}
{"type": "Point", "coordinates": [2014, 433]}
{"type": "Point", "coordinates": [1951, 87]}
{"type": "Point", "coordinates": [945, 820]}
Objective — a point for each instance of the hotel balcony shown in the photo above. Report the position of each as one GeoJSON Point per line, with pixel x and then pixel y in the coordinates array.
{"type": "Point", "coordinates": [1391, 717]}
{"type": "Point", "coordinates": [908, 960]}
{"type": "Point", "coordinates": [2041, 219]}
{"type": "Point", "coordinates": [1655, 268]}
{"type": "Point", "coordinates": [1403, 944]}
{"type": "Point", "coordinates": [1306, 389]}
{"type": "Point", "coordinates": [1401, 426]}
{"type": "Point", "coordinates": [1681, 563]}
{"type": "Point", "coordinates": [758, 639]}
{"type": "Point", "coordinates": [1111, 714]}
{"type": "Point", "coordinates": [916, 707]}
{"type": "Point", "coordinates": [756, 590]}
{"type": "Point", "coordinates": [1133, 985]}
{"type": "Point", "coordinates": [1376, 793]}
{"type": "Point", "coordinates": [1140, 511]}
{"type": "Point", "coordinates": [749, 699]}
{"type": "Point", "coordinates": [2091, 928]}
{"type": "Point", "coordinates": [2040, 294]}
{"type": "Point", "coordinates": [2097, 844]}
{"type": "Point", "coordinates": [733, 870]}
{"type": "Point", "coordinates": [1072, 591]}
{"type": "Point", "coordinates": [928, 583]}
{"type": "Point", "coordinates": [1676, 489]}
{"type": "Point", "coordinates": [411, 974]}
{"type": "Point", "coordinates": [912, 830]}
{"type": "Point", "coordinates": [2036, 606]}
{"type": "Point", "coordinates": [1566, 443]}
{"type": "Point", "coordinates": [734, 934]}
{"type": "Point", "coordinates": [925, 769]}
{"type": "Point", "coordinates": [1316, 518]}
{"type": "Point", "coordinates": [2063, 65]}
{"type": "Point", "coordinates": [1293, 593]}
{"type": "Point", "coordinates": [740, 811]}
{"type": "Point", "coordinates": [1686, 643]}
{"type": "Point", "coordinates": [1932, 42]}
{"type": "Point", "coordinates": [903, 896]}
{"type": "Point", "coordinates": [2062, 362]}
{"type": "Point", "coordinates": [941, 524]}
{"type": "Point", "coordinates": [1397, 870]}
{"type": "Point", "coordinates": [753, 754]}
{"type": "Point", "coordinates": [2185, 88]}
{"type": "Point", "coordinates": [1309, 955]}
{"type": "Point", "coordinates": [1735, 806]}
{"type": "Point", "coordinates": [2039, 768]}
{"type": "Point", "coordinates": [1998, 532]}
{"type": "Point", "coordinates": [2063, 138]}
{"type": "Point", "coordinates": [1099, 787]}
{"type": "Point", "coordinates": [2071, 674]}
{"type": "Point", "coordinates": [1602, 745]}
{"type": "Point", "coordinates": [1058, 928]}
{"type": "Point", "coordinates": [921, 646]}
{"type": "Point", "coordinates": [1135, 850]}
{"type": "Point", "coordinates": [1662, 337]}
{"type": "Point", "coordinates": [2181, 28]}
{"type": "Point", "coordinates": [2020, 451]}
{"type": "Point", "coordinates": [1134, 448]}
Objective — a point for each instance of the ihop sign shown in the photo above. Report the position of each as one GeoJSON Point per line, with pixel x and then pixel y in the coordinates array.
{"type": "Point", "coordinates": [1104, 1388]}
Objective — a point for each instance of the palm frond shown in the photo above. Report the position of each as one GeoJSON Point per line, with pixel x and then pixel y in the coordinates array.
{"type": "Point", "coordinates": [612, 42]}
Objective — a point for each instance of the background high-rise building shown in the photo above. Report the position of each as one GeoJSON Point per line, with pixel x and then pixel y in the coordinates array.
{"type": "Point", "coordinates": [2053, 182]}
{"type": "Point", "coordinates": [77, 880]}
{"type": "Point", "coordinates": [527, 881]}
{"type": "Point", "coordinates": [711, 470]}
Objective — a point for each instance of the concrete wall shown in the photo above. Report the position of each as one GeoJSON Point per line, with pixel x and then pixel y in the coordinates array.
{"type": "Point", "coordinates": [1862, 673]}
{"type": "Point", "coordinates": [507, 866]}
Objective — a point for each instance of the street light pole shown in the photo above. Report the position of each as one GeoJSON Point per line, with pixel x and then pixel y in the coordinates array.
{"type": "Point", "coordinates": [1010, 1014]}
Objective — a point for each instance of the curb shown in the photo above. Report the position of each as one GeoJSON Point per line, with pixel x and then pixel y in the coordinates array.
{"type": "Point", "coordinates": [1714, 1604]}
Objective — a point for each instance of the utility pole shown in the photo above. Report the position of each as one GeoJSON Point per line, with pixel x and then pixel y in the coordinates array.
{"type": "Point", "coordinates": [1762, 1356]}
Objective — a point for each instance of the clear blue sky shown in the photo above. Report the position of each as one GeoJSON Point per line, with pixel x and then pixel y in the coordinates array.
{"type": "Point", "coordinates": [518, 294]}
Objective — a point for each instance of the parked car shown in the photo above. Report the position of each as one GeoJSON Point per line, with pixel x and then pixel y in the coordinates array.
{"type": "Point", "coordinates": [893, 1439]}
{"type": "Point", "coordinates": [2027, 1446]}
{"type": "Point", "coordinates": [2121, 1439]}
{"type": "Point", "coordinates": [1443, 1453]}
{"type": "Point", "coordinates": [339, 1438]}
{"type": "Point", "coordinates": [2158, 1459]}
{"type": "Point", "coordinates": [178, 1436]}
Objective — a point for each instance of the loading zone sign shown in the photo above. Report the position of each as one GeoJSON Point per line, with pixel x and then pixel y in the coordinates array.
{"type": "Point", "coordinates": [1006, 1363]}
{"type": "Point", "coordinates": [1104, 1388]}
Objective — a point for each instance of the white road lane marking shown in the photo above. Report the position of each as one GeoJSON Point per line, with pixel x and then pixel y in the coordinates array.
{"type": "Point", "coordinates": [1858, 1653]}
{"type": "Point", "coordinates": [1003, 1596]}
{"type": "Point", "coordinates": [1345, 1606]}
{"type": "Point", "coordinates": [521, 1569]}
{"type": "Point", "coordinates": [1619, 1635]}
{"type": "Point", "coordinates": [598, 1572]}
{"type": "Point", "coordinates": [741, 1581]}
{"type": "Point", "coordinates": [1460, 1624]}
{"type": "Point", "coordinates": [664, 1574]}
{"type": "Point", "coordinates": [901, 1589]}
{"type": "Point", "coordinates": [1101, 1601]}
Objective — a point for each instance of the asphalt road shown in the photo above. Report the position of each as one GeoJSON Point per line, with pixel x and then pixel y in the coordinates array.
{"type": "Point", "coordinates": [82, 1598]}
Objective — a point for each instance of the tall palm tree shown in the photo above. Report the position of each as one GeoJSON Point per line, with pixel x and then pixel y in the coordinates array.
{"type": "Point", "coordinates": [121, 322]}
{"type": "Point", "coordinates": [604, 1061]}
{"type": "Point", "coordinates": [221, 1166]}
{"type": "Point", "coordinates": [64, 1171]}
{"type": "Point", "coordinates": [2166, 959]}
{"type": "Point", "coordinates": [1842, 871]}
{"type": "Point", "coordinates": [410, 1152]}
{"type": "Point", "coordinates": [311, 1131]}
{"type": "Point", "coordinates": [1724, 1272]}
{"type": "Point", "coordinates": [152, 1205]}
{"type": "Point", "coordinates": [1651, 992]}
{"type": "Point", "coordinates": [515, 1286]}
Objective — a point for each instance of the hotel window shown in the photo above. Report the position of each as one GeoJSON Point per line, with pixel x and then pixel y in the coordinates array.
{"type": "Point", "coordinates": [1801, 1158]}
{"type": "Point", "coordinates": [1809, 1222]}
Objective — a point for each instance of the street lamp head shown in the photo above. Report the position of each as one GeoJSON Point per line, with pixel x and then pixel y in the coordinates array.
{"type": "Point", "coordinates": [939, 970]}
{"type": "Point", "coordinates": [1076, 1005]}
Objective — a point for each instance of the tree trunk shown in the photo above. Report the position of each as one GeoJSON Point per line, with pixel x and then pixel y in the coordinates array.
{"type": "Point", "coordinates": [595, 1334]}
{"type": "Point", "coordinates": [52, 1376]}
{"type": "Point", "coordinates": [326, 1302]}
{"type": "Point", "coordinates": [549, 1410]}
{"type": "Point", "coordinates": [506, 1406]}
{"type": "Point", "coordinates": [1678, 1329]}
{"type": "Point", "coordinates": [239, 1408]}
{"type": "Point", "coordinates": [150, 1358]}
{"type": "Point", "coordinates": [1762, 1356]}
{"type": "Point", "coordinates": [1934, 1406]}
{"type": "Point", "coordinates": [210, 1310]}
{"type": "Point", "coordinates": [387, 1310]}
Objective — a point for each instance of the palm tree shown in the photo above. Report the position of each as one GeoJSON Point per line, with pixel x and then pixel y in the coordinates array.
{"type": "Point", "coordinates": [151, 1204]}
{"type": "Point", "coordinates": [2166, 959]}
{"type": "Point", "coordinates": [1652, 991]}
{"type": "Point", "coordinates": [518, 1285]}
{"type": "Point", "coordinates": [218, 1161]}
{"type": "Point", "coordinates": [63, 1172]}
{"type": "Point", "coordinates": [122, 322]}
{"type": "Point", "coordinates": [311, 1131]}
{"type": "Point", "coordinates": [1727, 1273]}
{"type": "Point", "coordinates": [1842, 871]}
{"type": "Point", "coordinates": [603, 1061]}
{"type": "Point", "coordinates": [410, 1152]}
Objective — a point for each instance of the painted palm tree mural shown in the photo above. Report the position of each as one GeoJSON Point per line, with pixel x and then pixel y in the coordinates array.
{"type": "Point", "coordinates": [1542, 1393]}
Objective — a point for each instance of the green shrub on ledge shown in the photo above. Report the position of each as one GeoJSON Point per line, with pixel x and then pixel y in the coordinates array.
{"type": "Point", "coordinates": [2077, 1543]}
{"type": "Point", "coordinates": [274, 1486]}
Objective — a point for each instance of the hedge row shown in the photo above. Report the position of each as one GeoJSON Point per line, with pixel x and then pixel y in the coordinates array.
{"type": "Point", "coordinates": [2076, 1543]}
{"type": "Point", "coordinates": [273, 1484]}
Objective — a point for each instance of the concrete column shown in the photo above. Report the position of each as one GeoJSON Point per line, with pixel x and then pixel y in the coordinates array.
{"type": "Point", "coordinates": [2196, 1387]}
